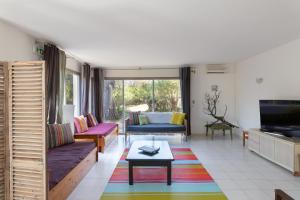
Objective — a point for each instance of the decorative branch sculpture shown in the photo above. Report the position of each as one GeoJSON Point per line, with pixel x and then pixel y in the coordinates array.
{"type": "Point", "coordinates": [211, 102]}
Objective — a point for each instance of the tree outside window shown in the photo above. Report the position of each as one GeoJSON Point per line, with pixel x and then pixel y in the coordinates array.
{"type": "Point", "coordinates": [69, 88]}
{"type": "Point", "coordinates": [72, 90]}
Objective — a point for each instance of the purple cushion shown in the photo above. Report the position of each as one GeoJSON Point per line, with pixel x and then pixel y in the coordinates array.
{"type": "Point", "coordinates": [102, 129]}
{"type": "Point", "coordinates": [61, 160]}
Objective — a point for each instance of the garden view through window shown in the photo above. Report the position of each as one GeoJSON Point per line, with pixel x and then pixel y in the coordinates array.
{"type": "Point", "coordinates": [124, 96]}
{"type": "Point", "coordinates": [72, 88]}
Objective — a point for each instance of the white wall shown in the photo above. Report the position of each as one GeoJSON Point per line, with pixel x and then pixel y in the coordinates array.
{"type": "Point", "coordinates": [15, 44]}
{"type": "Point", "coordinates": [201, 83]}
{"type": "Point", "coordinates": [280, 70]}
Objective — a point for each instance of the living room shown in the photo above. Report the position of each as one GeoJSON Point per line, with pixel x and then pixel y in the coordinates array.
{"type": "Point", "coordinates": [190, 73]}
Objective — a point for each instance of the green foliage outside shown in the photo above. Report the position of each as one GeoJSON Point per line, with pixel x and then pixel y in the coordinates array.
{"type": "Point", "coordinates": [117, 97]}
{"type": "Point", "coordinates": [138, 92]}
{"type": "Point", "coordinates": [167, 95]}
{"type": "Point", "coordinates": [69, 88]}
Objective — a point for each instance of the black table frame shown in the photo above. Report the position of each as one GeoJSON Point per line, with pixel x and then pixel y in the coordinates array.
{"type": "Point", "coordinates": [163, 163]}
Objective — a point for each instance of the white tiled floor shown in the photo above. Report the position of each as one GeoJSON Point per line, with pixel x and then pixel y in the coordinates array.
{"type": "Point", "coordinates": [240, 173]}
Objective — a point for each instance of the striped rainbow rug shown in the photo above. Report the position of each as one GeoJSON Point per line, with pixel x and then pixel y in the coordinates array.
{"type": "Point", "coordinates": [190, 181]}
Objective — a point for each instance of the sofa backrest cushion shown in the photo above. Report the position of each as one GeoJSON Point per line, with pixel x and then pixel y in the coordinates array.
{"type": "Point", "coordinates": [134, 118]}
{"type": "Point", "coordinates": [80, 124]}
{"type": "Point", "coordinates": [91, 120]}
{"type": "Point", "coordinates": [143, 119]}
{"type": "Point", "coordinates": [177, 118]}
{"type": "Point", "coordinates": [59, 134]}
{"type": "Point", "coordinates": [158, 117]}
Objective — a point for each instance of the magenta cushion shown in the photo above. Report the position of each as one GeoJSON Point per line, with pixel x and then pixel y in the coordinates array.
{"type": "Point", "coordinates": [80, 124]}
{"type": "Point", "coordinates": [102, 129]}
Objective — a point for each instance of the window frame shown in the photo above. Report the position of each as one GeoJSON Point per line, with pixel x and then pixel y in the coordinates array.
{"type": "Point", "coordinates": [123, 79]}
{"type": "Point", "coordinates": [73, 72]}
{"type": "Point", "coordinates": [154, 102]}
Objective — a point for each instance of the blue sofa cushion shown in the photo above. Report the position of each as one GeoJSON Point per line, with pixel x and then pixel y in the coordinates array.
{"type": "Point", "coordinates": [156, 128]}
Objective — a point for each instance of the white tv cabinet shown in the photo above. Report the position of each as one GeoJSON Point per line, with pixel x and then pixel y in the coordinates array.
{"type": "Point", "coordinates": [279, 149]}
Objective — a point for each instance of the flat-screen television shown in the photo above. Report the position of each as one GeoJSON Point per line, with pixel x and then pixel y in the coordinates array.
{"type": "Point", "coordinates": [280, 116]}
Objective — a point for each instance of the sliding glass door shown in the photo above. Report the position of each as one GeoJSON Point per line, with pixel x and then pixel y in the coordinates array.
{"type": "Point", "coordinates": [167, 96]}
{"type": "Point", "coordinates": [124, 96]}
{"type": "Point", "coordinates": [138, 96]}
{"type": "Point", "coordinates": [113, 105]}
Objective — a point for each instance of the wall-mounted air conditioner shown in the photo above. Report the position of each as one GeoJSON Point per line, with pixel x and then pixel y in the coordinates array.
{"type": "Point", "coordinates": [217, 68]}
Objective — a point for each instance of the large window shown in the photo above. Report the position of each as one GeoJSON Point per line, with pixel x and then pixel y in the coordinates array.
{"type": "Point", "coordinates": [72, 89]}
{"type": "Point", "coordinates": [138, 95]}
{"type": "Point", "coordinates": [167, 95]}
{"type": "Point", "coordinates": [123, 96]}
{"type": "Point", "coordinates": [113, 102]}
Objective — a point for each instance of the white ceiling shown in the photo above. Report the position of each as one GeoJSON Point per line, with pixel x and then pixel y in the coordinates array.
{"type": "Point", "coordinates": [158, 32]}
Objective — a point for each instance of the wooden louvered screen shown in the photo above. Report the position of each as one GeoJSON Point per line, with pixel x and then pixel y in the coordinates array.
{"type": "Point", "coordinates": [27, 138]}
{"type": "Point", "coordinates": [3, 131]}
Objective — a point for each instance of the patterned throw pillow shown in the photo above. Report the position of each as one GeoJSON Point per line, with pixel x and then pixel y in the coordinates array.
{"type": "Point", "coordinates": [143, 119]}
{"type": "Point", "coordinates": [134, 118]}
{"type": "Point", "coordinates": [91, 119]}
{"type": "Point", "coordinates": [59, 134]}
{"type": "Point", "coordinates": [177, 118]}
{"type": "Point", "coordinates": [80, 124]}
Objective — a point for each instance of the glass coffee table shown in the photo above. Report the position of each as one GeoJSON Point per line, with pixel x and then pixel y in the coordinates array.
{"type": "Point", "coordinates": [163, 158]}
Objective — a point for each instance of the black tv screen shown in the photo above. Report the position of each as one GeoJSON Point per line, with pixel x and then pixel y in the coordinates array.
{"type": "Point", "coordinates": [280, 116]}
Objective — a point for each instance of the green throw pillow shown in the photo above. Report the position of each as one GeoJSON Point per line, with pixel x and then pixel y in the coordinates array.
{"type": "Point", "coordinates": [143, 119]}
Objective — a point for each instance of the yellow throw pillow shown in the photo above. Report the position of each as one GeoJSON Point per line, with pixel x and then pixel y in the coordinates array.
{"type": "Point", "coordinates": [178, 118]}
